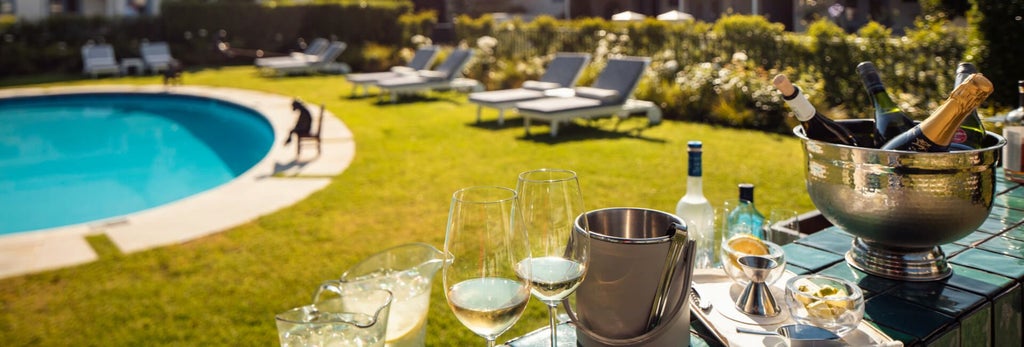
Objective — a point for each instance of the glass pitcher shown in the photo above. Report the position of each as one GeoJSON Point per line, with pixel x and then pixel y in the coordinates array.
{"type": "Point", "coordinates": [407, 271]}
{"type": "Point", "coordinates": [352, 318]}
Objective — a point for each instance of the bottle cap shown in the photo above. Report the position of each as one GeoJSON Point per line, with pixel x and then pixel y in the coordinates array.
{"type": "Point", "coordinates": [869, 76]}
{"type": "Point", "coordinates": [694, 145]}
{"type": "Point", "coordinates": [747, 192]}
{"type": "Point", "coordinates": [967, 68]}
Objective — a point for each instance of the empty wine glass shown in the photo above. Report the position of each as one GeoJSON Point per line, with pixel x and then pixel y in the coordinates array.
{"type": "Point", "coordinates": [550, 200]}
{"type": "Point", "coordinates": [783, 226]}
{"type": "Point", "coordinates": [486, 248]}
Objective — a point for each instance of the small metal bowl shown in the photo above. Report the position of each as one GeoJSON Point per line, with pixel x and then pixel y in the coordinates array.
{"type": "Point", "coordinates": [900, 205]}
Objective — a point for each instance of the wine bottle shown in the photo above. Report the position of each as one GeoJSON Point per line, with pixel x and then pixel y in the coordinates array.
{"type": "Point", "coordinates": [971, 131]}
{"type": "Point", "coordinates": [816, 126]}
{"type": "Point", "coordinates": [1015, 116]}
{"type": "Point", "coordinates": [935, 133]}
{"type": "Point", "coordinates": [890, 121]}
{"type": "Point", "coordinates": [1013, 151]}
{"type": "Point", "coordinates": [745, 218]}
{"type": "Point", "coordinates": [696, 211]}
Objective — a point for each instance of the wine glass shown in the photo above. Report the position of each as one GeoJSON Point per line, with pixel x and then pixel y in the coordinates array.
{"type": "Point", "coordinates": [550, 201]}
{"type": "Point", "coordinates": [782, 226]}
{"type": "Point", "coordinates": [486, 248]}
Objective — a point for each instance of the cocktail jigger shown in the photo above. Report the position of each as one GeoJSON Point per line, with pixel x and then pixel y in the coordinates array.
{"type": "Point", "coordinates": [757, 298]}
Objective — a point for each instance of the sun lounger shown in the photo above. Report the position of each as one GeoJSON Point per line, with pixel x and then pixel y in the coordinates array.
{"type": "Point", "coordinates": [442, 77]}
{"type": "Point", "coordinates": [308, 64]}
{"type": "Point", "coordinates": [422, 60]}
{"type": "Point", "coordinates": [156, 56]}
{"type": "Point", "coordinates": [315, 48]}
{"type": "Point", "coordinates": [99, 59]}
{"type": "Point", "coordinates": [608, 96]}
{"type": "Point", "coordinates": [561, 72]}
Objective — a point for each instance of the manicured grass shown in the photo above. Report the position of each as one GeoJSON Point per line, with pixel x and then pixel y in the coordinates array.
{"type": "Point", "coordinates": [225, 289]}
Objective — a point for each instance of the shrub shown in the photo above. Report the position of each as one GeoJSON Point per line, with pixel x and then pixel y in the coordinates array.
{"type": "Point", "coordinates": [995, 45]}
{"type": "Point", "coordinates": [416, 24]}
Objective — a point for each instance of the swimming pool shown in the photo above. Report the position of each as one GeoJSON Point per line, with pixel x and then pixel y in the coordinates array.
{"type": "Point", "coordinates": [78, 158]}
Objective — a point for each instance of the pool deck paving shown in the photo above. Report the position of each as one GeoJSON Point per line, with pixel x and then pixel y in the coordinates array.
{"type": "Point", "coordinates": [280, 180]}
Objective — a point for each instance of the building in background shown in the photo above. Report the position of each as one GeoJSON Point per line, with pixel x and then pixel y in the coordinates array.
{"type": "Point", "coordinates": [39, 9]}
{"type": "Point", "coordinates": [796, 15]}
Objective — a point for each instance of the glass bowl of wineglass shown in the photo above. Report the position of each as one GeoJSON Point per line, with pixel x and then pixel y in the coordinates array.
{"type": "Point", "coordinates": [550, 200]}
{"type": "Point", "coordinates": [485, 275]}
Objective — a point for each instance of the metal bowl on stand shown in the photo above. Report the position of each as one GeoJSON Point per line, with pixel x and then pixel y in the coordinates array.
{"type": "Point", "coordinates": [900, 205]}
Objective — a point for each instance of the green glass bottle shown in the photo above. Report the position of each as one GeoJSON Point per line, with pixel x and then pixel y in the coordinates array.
{"type": "Point", "coordinates": [890, 121]}
{"type": "Point", "coordinates": [972, 131]}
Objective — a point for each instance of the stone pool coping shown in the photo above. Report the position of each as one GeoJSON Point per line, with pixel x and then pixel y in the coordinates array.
{"type": "Point", "coordinates": [279, 180]}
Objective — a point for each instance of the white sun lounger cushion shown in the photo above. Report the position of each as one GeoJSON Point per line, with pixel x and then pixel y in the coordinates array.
{"type": "Point", "coordinates": [505, 96]}
{"type": "Point", "coordinates": [432, 75]}
{"type": "Point", "coordinates": [405, 70]}
{"type": "Point", "coordinates": [606, 96]}
{"type": "Point", "coordinates": [555, 105]}
{"type": "Point", "coordinates": [538, 85]}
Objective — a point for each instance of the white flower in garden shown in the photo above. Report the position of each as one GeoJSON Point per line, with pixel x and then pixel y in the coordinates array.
{"type": "Point", "coordinates": [601, 33]}
{"type": "Point", "coordinates": [624, 38]}
{"type": "Point", "coordinates": [671, 65]}
{"type": "Point", "coordinates": [419, 39]}
{"type": "Point", "coordinates": [667, 54]}
{"type": "Point", "coordinates": [611, 37]}
{"type": "Point", "coordinates": [487, 43]}
{"type": "Point", "coordinates": [739, 58]}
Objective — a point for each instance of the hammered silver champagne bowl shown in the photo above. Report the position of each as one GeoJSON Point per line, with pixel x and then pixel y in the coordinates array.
{"type": "Point", "coordinates": [900, 205]}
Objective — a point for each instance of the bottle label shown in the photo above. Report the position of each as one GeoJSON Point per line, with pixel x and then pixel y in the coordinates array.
{"type": "Point", "coordinates": [1014, 149]}
{"type": "Point", "coordinates": [960, 136]}
{"type": "Point", "coordinates": [693, 168]}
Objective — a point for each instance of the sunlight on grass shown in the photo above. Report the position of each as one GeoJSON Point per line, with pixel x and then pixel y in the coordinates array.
{"type": "Point", "coordinates": [410, 156]}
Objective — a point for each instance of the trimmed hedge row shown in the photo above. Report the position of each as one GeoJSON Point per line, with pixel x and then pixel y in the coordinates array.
{"type": "Point", "coordinates": [194, 31]}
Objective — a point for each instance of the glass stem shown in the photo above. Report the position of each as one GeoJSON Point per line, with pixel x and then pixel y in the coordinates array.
{"type": "Point", "coordinates": [552, 313]}
{"type": "Point", "coordinates": [490, 342]}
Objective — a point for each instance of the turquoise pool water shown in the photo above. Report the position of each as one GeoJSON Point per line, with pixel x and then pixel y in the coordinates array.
{"type": "Point", "coordinates": [69, 159]}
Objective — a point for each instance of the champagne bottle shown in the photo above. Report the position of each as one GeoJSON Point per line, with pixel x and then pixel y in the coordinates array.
{"type": "Point", "coordinates": [935, 133]}
{"type": "Point", "coordinates": [745, 218]}
{"type": "Point", "coordinates": [890, 121]}
{"type": "Point", "coordinates": [816, 126]}
{"type": "Point", "coordinates": [971, 131]}
{"type": "Point", "coordinates": [696, 211]}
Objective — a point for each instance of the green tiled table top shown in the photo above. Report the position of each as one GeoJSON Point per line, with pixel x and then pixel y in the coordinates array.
{"type": "Point", "coordinates": [981, 304]}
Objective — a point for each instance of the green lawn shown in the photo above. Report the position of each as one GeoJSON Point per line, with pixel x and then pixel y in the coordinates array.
{"type": "Point", "coordinates": [410, 156]}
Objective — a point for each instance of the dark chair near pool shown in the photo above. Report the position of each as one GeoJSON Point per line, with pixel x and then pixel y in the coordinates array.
{"type": "Point", "coordinates": [303, 130]}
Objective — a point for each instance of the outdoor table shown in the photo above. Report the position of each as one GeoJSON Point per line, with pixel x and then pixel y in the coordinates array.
{"type": "Point", "coordinates": [979, 305]}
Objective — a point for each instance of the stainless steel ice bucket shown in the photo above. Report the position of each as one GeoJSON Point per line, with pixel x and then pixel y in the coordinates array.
{"type": "Point", "coordinates": [628, 248]}
{"type": "Point", "coordinates": [901, 205]}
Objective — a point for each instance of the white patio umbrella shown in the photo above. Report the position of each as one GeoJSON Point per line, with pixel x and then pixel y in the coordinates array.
{"type": "Point", "coordinates": [628, 16]}
{"type": "Point", "coordinates": [675, 16]}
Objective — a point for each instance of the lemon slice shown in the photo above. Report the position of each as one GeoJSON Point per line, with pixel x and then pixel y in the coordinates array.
{"type": "Point", "coordinates": [746, 244]}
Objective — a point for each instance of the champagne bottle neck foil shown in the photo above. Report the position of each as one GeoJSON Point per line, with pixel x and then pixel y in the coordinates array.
{"type": "Point", "coordinates": [945, 120]}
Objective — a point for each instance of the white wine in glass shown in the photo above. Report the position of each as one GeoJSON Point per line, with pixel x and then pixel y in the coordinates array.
{"type": "Point", "coordinates": [550, 201]}
{"type": "Point", "coordinates": [485, 245]}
